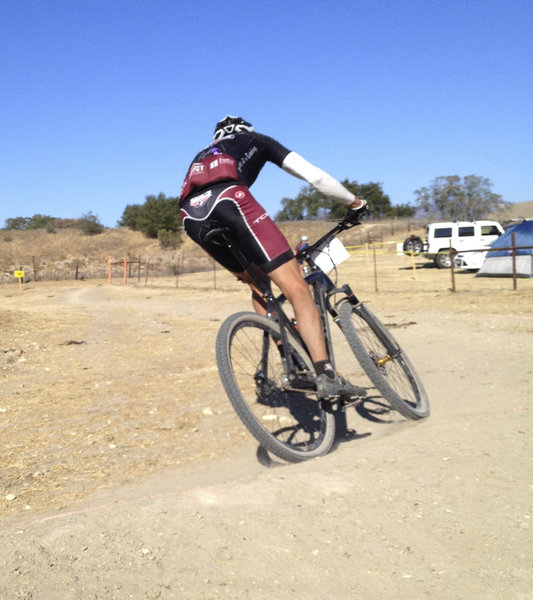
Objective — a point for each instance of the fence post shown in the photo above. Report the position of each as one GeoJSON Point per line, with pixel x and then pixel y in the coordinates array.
{"type": "Point", "coordinates": [375, 268]}
{"type": "Point", "coordinates": [513, 245]}
{"type": "Point", "coordinates": [178, 267]}
{"type": "Point", "coordinates": [452, 269]}
{"type": "Point", "coordinates": [146, 274]}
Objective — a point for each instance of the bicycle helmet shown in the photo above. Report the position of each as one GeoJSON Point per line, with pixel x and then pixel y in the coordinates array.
{"type": "Point", "coordinates": [229, 125]}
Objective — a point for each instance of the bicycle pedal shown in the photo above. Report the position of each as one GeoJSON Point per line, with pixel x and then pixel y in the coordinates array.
{"type": "Point", "coordinates": [351, 402]}
{"type": "Point", "coordinates": [299, 384]}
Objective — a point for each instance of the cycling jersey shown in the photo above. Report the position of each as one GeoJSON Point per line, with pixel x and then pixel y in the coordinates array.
{"type": "Point", "coordinates": [215, 193]}
{"type": "Point", "coordinates": [236, 158]}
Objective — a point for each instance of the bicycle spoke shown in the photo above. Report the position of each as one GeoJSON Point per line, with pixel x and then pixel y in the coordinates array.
{"type": "Point", "coordinates": [258, 390]}
{"type": "Point", "coordinates": [385, 363]}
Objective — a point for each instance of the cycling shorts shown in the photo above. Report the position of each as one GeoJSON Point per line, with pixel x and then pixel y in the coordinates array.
{"type": "Point", "coordinates": [253, 231]}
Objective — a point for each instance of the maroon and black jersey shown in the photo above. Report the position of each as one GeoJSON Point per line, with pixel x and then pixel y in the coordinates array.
{"type": "Point", "coordinates": [236, 158]}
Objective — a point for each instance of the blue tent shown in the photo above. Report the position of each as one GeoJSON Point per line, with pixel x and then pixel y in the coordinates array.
{"type": "Point", "coordinates": [499, 263]}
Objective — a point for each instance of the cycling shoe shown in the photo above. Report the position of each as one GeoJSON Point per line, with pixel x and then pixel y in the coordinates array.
{"type": "Point", "coordinates": [337, 387]}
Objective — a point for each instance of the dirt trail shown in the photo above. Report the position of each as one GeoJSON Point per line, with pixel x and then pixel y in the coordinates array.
{"type": "Point", "coordinates": [132, 478]}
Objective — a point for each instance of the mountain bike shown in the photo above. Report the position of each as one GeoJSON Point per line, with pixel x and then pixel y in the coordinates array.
{"type": "Point", "coordinates": [268, 374]}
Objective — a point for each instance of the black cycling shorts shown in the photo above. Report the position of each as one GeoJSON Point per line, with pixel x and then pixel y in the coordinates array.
{"type": "Point", "coordinates": [253, 231]}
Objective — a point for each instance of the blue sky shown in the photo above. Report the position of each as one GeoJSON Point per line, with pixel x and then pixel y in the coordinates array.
{"type": "Point", "coordinates": [105, 102]}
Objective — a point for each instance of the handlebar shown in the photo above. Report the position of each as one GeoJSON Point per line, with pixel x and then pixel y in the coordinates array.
{"type": "Point", "coordinates": [349, 221]}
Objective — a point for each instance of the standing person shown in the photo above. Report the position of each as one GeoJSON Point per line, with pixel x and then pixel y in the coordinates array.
{"type": "Point", "coordinates": [215, 194]}
{"type": "Point", "coordinates": [304, 242]}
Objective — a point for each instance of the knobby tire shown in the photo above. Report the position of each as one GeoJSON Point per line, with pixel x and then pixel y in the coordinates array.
{"type": "Point", "coordinates": [383, 360]}
{"type": "Point", "coordinates": [290, 424]}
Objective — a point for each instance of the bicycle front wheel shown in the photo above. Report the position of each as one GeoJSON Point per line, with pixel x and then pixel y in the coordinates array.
{"type": "Point", "coordinates": [290, 423]}
{"type": "Point", "coordinates": [385, 363]}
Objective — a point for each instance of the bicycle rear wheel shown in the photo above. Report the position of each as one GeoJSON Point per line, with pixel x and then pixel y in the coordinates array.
{"type": "Point", "coordinates": [289, 423]}
{"type": "Point", "coordinates": [385, 363]}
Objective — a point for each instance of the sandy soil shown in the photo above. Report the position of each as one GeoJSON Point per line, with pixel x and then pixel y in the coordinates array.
{"type": "Point", "coordinates": [126, 474]}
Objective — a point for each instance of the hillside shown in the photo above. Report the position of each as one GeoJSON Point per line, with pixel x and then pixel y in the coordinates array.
{"type": "Point", "coordinates": [62, 254]}
{"type": "Point", "coordinates": [520, 210]}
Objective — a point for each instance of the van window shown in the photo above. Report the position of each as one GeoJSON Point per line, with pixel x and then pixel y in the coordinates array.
{"type": "Point", "coordinates": [443, 232]}
{"type": "Point", "coordinates": [490, 230]}
{"type": "Point", "coordinates": [466, 231]}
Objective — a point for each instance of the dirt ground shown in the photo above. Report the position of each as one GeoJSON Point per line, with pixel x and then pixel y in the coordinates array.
{"type": "Point", "coordinates": [124, 472]}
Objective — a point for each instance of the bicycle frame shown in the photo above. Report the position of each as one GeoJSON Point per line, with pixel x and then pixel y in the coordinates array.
{"type": "Point", "coordinates": [323, 291]}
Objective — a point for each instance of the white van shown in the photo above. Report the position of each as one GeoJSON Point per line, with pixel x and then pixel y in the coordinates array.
{"type": "Point", "coordinates": [459, 236]}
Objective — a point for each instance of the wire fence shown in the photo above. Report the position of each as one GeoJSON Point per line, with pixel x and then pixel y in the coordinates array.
{"type": "Point", "coordinates": [378, 262]}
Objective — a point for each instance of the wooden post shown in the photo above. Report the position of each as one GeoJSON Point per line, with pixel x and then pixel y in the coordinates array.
{"type": "Point", "coordinates": [452, 267]}
{"type": "Point", "coordinates": [514, 260]}
{"type": "Point", "coordinates": [20, 276]}
{"type": "Point", "coordinates": [109, 270]}
{"type": "Point", "coordinates": [177, 268]}
{"type": "Point", "coordinates": [125, 271]}
{"type": "Point", "coordinates": [375, 268]}
{"type": "Point", "coordinates": [139, 270]}
{"type": "Point", "coordinates": [146, 274]}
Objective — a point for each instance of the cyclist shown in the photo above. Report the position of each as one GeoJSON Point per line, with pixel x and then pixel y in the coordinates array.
{"type": "Point", "coordinates": [304, 243]}
{"type": "Point", "coordinates": [215, 194]}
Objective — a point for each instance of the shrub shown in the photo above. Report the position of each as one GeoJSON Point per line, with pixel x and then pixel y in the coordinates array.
{"type": "Point", "coordinates": [168, 239]}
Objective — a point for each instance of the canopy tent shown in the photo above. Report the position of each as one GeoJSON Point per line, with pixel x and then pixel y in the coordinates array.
{"type": "Point", "coordinates": [499, 263]}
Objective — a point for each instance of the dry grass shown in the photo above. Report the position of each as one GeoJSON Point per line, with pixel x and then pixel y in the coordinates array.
{"type": "Point", "coordinates": [138, 390]}
{"type": "Point", "coordinates": [49, 256]}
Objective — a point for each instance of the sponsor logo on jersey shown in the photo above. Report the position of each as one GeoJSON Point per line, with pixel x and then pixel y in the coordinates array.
{"type": "Point", "coordinates": [220, 161]}
{"type": "Point", "coordinates": [201, 199]}
{"type": "Point", "coordinates": [247, 157]}
{"type": "Point", "coordinates": [261, 218]}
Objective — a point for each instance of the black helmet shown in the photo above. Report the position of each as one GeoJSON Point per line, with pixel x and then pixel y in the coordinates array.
{"type": "Point", "coordinates": [229, 125]}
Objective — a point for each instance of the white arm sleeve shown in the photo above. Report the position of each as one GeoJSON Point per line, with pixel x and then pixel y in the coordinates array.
{"type": "Point", "coordinates": [326, 184]}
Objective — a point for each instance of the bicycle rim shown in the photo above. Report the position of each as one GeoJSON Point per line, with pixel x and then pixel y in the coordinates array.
{"type": "Point", "coordinates": [384, 361]}
{"type": "Point", "coordinates": [290, 424]}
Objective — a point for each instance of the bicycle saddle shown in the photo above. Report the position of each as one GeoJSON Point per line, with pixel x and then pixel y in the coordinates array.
{"type": "Point", "coordinates": [219, 235]}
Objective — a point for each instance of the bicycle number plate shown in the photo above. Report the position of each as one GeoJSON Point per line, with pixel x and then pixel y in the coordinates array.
{"type": "Point", "coordinates": [328, 256]}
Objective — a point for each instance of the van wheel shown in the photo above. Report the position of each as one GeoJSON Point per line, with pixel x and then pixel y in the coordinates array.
{"type": "Point", "coordinates": [443, 260]}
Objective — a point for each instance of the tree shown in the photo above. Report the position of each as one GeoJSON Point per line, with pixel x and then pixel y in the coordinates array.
{"type": "Point", "coordinates": [35, 222]}
{"type": "Point", "coordinates": [130, 217]}
{"type": "Point", "coordinates": [90, 224]}
{"type": "Point", "coordinates": [455, 199]}
{"type": "Point", "coordinates": [157, 214]}
{"type": "Point", "coordinates": [310, 204]}
{"type": "Point", "coordinates": [306, 205]}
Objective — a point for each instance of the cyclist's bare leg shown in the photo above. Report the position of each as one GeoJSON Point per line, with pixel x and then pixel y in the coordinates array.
{"type": "Point", "coordinates": [258, 301]}
{"type": "Point", "coordinates": [289, 280]}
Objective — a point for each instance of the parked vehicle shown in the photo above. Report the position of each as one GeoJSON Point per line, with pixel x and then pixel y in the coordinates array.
{"type": "Point", "coordinates": [469, 261]}
{"type": "Point", "coordinates": [458, 236]}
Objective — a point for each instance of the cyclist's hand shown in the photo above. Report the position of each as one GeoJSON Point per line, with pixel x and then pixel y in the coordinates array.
{"type": "Point", "coordinates": [354, 214]}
